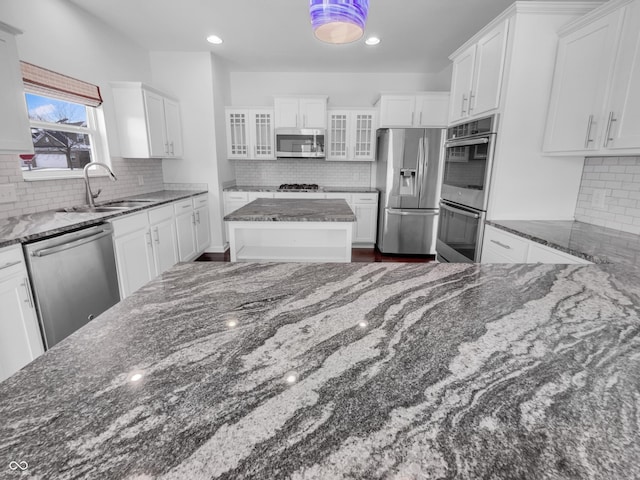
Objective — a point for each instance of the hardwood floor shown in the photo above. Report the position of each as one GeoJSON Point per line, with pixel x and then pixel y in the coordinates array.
{"type": "Point", "coordinates": [364, 255]}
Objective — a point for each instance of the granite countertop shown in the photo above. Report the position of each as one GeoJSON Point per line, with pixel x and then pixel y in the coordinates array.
{"type": "Point", "coordinates": [591, 242]}
{"type": "Point", "coordinates": [26, 228]}
{"type": "Point", "coordinates": [263, 188]}
{"type": "Point", "coordinates": [332, 371]}
{"type": "Point", "coordinates": [290, 210]}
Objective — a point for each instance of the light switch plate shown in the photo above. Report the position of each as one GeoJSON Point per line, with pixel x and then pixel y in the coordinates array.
{"type": "Point", "coordinates": [8, 193]}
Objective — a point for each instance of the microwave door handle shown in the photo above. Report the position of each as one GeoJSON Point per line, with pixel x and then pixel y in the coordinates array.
{"type": "Point", "coordinates": [464, 213]}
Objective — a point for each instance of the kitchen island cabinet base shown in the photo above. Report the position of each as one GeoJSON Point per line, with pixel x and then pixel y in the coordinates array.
{"type": "Point", "coordinates": [290, 241]}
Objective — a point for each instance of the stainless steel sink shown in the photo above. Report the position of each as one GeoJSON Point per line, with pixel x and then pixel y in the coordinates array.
{"type": "Point", "coordinates": [128, 203]}
{"type": "Point", "coordinates": [89, 209]}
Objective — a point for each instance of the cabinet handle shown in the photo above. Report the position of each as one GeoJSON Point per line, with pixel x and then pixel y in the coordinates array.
{"type": "Point", "coordinates": [296, 119]}
{"type": "Point", "coordinates": [588, 139]}
{"type": "Point", "coordinates": [412, 115]}
{"type": "Point", "coordinates": [148, 235]}
{"type": "Point", "coordinates": [172, 152]}
{"type": "Point", "coordinates": [27, 300]}
{"type": "Point", "coordinates": [464, 99]}
{"type": "Point", "coordinates": [193, 218]}
{"type": "Point", "coordinates": [607, 136]}
{"type": "Point", "coordinates": [500, 244]}
{"type": "Point", "coordinates": [166, 148]}
{"type": "Point", "coordinates": [420, 118]}
{"type": "Point", "coordinates": [198, 217]}
{"type": "Point", "coordinates": [304, 120]}
{"type": "Point", "coordinates": [471, 97]}
{"type": "Point", "coordinates": [11, 264]}
{"type": "Point", "coordinates": [157, 236]}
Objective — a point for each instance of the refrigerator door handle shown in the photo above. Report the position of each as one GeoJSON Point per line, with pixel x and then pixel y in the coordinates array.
{"type": "Point", "coordinates": [424, 213]}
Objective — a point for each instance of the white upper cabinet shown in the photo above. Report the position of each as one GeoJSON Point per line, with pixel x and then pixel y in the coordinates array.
{"type": "Point", "coordinates": [423, 109]}
{"type": "Point", "coordinates": [595, 100]}
{"type": "Point", "coordinates": [148, 122]}
{"type": "Point", "coordinates": [477, 75]}
{"type": "Point", "coordinates": [351, 135]}
{"type": "Point", "coordinates": [15, 134]}
{"type": "Point", "coordinates": [301, 112]}
{"type": "Point", "coordinates": [250, 133]}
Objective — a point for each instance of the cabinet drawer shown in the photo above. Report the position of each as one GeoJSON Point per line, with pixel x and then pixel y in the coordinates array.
{"type": "Point", "coordinates": [183, 206]}
{"type": "Point", "coordinates": [542, 254]}
{"type": "Point", "coordinates": [200, 201]}
{"type": "Point", "coordinates": [130, 223]}
{"type": "Point", "coordinates": [304, 195]}
{"type": "Point", "coordinates": [344, 196]}
{"type": "Point", "coordinates": [255, 195]}
{"type": "Point", "coordinates": [161, 213]}
{"type": "Point", "coordinates": [365, 198]}
{"type": "Point", "coordinates": [503, 245]}
{"type": "Point", "coordinates": [9, 256]}
{"type": "Point", "coordinates": [243, 196]}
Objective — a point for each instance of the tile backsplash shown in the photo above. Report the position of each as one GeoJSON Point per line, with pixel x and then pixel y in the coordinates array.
{"type": "Point", "coordinates": [610, 193]}
{"type": "Point", "coordinates": [275, 172]}
{"type": "Point", "coordinates": [44, 195]}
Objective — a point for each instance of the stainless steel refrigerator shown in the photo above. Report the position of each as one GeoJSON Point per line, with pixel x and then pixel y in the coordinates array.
{"type": "Point", "coordinates": [408, 174]}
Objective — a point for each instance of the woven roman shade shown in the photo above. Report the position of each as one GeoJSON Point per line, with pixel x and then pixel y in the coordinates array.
{"type": "Point", "coordinates": [44, 82]}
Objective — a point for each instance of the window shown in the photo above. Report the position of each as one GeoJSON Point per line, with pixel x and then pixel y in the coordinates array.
{"type": "Point", "coordinates": [66, 124]}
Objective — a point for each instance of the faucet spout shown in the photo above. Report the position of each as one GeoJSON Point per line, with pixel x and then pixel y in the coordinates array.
{"type": "Point", "coordinates": [91, 197]}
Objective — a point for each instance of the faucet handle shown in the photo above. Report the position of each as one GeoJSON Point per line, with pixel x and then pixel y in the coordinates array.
{"type": "Point", "coordinates": [95, 195]}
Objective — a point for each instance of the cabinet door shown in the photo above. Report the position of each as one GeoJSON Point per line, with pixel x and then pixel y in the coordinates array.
{"type": "Point", "coordinates": [15, 134]}
{"type": "Point", "coordinates": [185, 234]}
{"type": "Point", "coordinates": [20, 340]}
{"type": "Point", "coordinates": [237, 133]}
{"type": "Point", "coordinates": [174, 128]}
{"type": "Point", "coordinates": [365, 227]}
{"type": "Point", "coordinates": [583, 64]}
{"type": "Point", "coordinates": [286, 112]}
{"type": "Point", "coordinates": [338, 147]}
{"type": "Point", "coordinates": [432, 110]}
{"type": "Point", "coordinates": [165, 251]}
{"type": "Point", "coordinates": [488, 71]}
{"type": "Point", "coordinates": [363, 128]}
{"type": "Point", "coordinates": [461, 84]}
{"type": "Point", "coordinates": [397, 110]}
{"type": "Point", "coordinates": [261, 138]}
{"type": "Point", "coordinates": [313, 113]}
{"type": "Point", "coordinates": [203, 228]}
{"type": "Point", "coordinates": [134, 256]}
{"type": "Point", "coordinates": [623, 120]}
{"type": "Point", "coordinates": [154, 110]}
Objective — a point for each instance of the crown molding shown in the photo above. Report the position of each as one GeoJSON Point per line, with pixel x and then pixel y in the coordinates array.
{"type": "Point", "coordinates": [602, 11]}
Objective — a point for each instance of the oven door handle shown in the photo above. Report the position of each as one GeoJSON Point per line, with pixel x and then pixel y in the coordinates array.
{"type": "Point", "coordinates": [466, 143]}
{"type": "Point", "coordinates": [459, 211]}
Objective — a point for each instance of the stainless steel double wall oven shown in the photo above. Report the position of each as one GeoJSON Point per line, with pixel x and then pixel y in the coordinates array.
{"type": "Point", "coordinates": [465, 186]}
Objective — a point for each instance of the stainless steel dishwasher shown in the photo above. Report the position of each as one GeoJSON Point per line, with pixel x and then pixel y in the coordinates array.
{"type": "Point", "coordinates": [74, 279]}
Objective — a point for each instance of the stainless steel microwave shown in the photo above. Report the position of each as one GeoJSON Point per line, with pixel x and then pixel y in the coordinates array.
{"type": "Point", "coordinates": [300, 143]}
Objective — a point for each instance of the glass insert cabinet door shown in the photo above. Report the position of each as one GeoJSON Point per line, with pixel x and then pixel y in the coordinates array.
{"type": "Point", "coordinates": [250, 133]}
{"type": "Point", "coordinates": [352, 135]}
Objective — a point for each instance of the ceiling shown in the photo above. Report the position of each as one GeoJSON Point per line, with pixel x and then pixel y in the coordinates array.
{"type": "Point", "coordinates": [276, 35]}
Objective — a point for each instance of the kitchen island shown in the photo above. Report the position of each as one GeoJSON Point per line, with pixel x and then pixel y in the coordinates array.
{"type": "Point", "coordinates": [291, 230]}
{"type": "Point", "coordinates": [331, 371]}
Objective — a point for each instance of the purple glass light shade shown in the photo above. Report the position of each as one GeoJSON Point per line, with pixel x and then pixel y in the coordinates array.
{"type": "Point", "coordinates": [338, 21]}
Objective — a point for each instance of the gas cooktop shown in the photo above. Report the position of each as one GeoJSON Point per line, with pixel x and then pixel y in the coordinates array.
{"type": "Point", "coordinates": [299, 186]}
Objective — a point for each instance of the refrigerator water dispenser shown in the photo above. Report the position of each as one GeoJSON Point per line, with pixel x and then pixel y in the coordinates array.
{"type": "Point", "coordinates": [407, 182]}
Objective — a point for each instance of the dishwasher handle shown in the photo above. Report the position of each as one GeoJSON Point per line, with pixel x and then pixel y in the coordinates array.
{"type": "Point", "coordinates": [75, 243]}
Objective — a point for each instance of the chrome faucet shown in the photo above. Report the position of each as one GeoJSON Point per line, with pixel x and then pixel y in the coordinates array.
{"type": "Point", "coordinates": [91, 197]}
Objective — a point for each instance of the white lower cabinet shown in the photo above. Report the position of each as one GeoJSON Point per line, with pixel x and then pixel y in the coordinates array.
{"type": "Point", "coordinates": [145, 246]}
{"type": "Point", "coordinates": [202, 224]}
{"type": "Point", "coordinates": [192, 227]}
{"type": "Point", "coordinates": [503, 247]}
{"type": "Point", "coordinates": [20, 340]}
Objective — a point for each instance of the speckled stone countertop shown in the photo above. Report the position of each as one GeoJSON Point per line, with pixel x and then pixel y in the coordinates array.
{"type": "Point", "coordinates": [335, 371]}
{"type": "Point", "coordinates": [27, 228]}
{"type": "Point", "coordinates": [591, 242]}
{"type": "Point", "coordinates": [264, 188]}
{"type": "Point", "coordinates": [289, 210]}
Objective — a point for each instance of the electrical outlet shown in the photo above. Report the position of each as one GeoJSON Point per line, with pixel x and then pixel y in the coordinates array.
{"type": "Point", "coordinates": [598, 198]}
{"type": "Point", "coordinates": [140, 180]}
{"type": "Point", "coordinates": [8, 193]}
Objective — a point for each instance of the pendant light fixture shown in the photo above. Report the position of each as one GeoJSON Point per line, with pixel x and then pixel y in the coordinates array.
{"type": "Point", "coordinates": [338, 21]}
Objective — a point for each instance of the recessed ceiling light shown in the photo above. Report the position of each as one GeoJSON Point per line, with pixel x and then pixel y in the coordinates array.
{"type": "Point", "coordinates": [372, 41]}
{"type": "Point", "coordinates": [216, 40]}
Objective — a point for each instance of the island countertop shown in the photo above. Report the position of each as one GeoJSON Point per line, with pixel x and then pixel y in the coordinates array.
{"type": "Point", "coordinates": [331, 371]}
{"type": "Point", "coordinates": [293, 210]}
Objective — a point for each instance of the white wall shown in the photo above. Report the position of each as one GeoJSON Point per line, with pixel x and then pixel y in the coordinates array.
{"type": "Point", "coordinates": [191, 77]}
{"type": "Point", "coordinates": [62, 37]}
{"type": "Point", "coordinates": [344, 89]}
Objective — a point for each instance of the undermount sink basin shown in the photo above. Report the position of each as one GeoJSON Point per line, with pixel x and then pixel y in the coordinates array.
{"type": "Point", "coordinates": [128, 203]}
{"type": "Point", "coordinates": [88, 209]}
